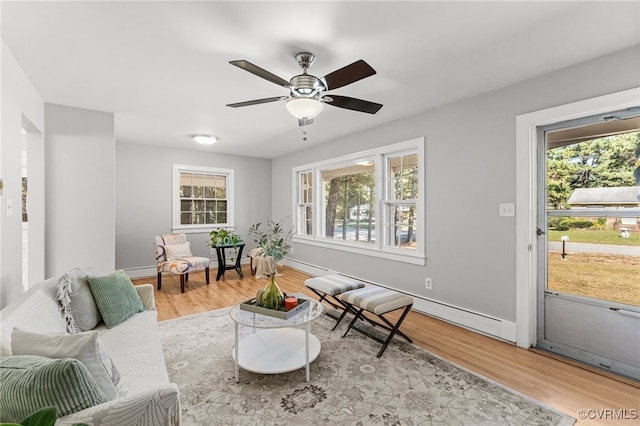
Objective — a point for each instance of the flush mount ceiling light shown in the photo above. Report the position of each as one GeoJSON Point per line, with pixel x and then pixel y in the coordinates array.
{"type": "Point", "coordinates": [307, 96]}
{"type": "Point", "coordinates": [205, 139]}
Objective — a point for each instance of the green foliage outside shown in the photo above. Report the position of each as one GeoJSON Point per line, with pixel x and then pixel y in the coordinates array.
{"type": "Point", "coordinates": [606, 162]}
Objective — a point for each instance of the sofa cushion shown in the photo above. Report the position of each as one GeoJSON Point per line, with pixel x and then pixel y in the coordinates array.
{"type": "Point", "coordinates": [177, 251]}
{"type": "Point", "coordinates": [35, 310]}
{"type": "Point", "coordinates": [136, 348]}
{"type": "Point", "coordinates": [29, 383]}
{"type": "Point", "coordinates": [76, 301]}
{"type": "Point", "coordinates": [116, 297]}
{"type": "Point", "coordinates": [86, 347]}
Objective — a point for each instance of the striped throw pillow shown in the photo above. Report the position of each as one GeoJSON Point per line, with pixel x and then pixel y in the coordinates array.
{"type": "Point", "coordinates": [29, 383]}
{"type": "Point", "coordinates": [116, 297]}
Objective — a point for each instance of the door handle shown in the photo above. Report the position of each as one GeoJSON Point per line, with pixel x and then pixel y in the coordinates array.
{"type": "Point", "coordinates": [539, 232]}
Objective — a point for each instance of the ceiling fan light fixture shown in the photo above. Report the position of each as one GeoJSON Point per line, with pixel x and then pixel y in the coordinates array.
{"type": "Point", "coordinates": [302, 108]}
{"type": "Point", "coordinates": [205, 139]}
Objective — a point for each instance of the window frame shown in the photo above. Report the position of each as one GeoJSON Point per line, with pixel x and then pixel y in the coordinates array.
{"type": "Point", "coordinates": [379, 247]}
{"type": "Point", "coordinates": [300, 202]}
{"type": "Point", "coordinates": [229, 175]}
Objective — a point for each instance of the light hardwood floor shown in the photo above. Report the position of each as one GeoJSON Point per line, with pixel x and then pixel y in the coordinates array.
{"type": "Point", "coordinates": [568, 387]}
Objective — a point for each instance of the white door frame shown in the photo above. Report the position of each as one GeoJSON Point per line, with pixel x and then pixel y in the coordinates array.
{"type": "Point", "coordinates": [526, 197]}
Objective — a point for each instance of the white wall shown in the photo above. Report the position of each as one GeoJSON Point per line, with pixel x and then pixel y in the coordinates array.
{"type": "Point", "coordinates": [471, 169]}
{"type": "Point", "coordinates": [80, 204]}
{"type": "Point", "coordinates": [20, 100]}
{"type": "Point", "coordinates": [144, 199]}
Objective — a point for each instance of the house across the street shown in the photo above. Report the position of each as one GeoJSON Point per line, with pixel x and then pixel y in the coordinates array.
{"type": "Point", "coordinates": [609, 198]}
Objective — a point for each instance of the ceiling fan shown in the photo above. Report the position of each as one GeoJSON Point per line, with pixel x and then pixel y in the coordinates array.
{"type": "Point", "coordinates": [306, 97]}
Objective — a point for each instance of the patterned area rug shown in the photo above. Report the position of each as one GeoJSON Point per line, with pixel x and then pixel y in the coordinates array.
{"type": "Point", "coordinates": [348, 386]}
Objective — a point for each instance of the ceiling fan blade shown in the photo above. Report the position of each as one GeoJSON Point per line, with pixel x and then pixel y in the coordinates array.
{"type": "Point", "coordinates": [354, 104]}
{"type": "Point", "coordinates": [256, 102]}
{"type": "Point", "coordinates": [347, 75]}
{"type": "Point", "coordinates": [254, 69]}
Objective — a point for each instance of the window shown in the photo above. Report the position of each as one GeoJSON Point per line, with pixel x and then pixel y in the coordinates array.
{"type": "Point", "coordinates": [304, 206]}
{"type": "Point", "coordinates": [349, 201]}
{"type": "Point", "coordinates": [202, 198]}
{"type": "Point", "coordinates": [401, 199]}
{"type": "Point", "coordinates": [367, 202]}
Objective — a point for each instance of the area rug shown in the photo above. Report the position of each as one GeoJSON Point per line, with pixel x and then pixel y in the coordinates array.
{"type": "Point", "coordinates": [348, 384]}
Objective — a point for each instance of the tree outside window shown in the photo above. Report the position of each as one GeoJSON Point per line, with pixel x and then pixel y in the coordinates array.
{"type": "Point", "coordinates": [368, 202]}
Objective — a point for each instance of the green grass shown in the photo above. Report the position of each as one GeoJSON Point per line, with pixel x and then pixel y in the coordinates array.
{"type": "Point", "coordinates": [607, 277]}
{"type": "Point", "coordinates": [595, 237]}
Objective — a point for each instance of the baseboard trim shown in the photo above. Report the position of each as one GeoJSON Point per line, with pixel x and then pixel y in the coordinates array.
{"type": "Point", "coordinates": [485, 324]}
{"type": "Point", "coordinates": [152, 272]}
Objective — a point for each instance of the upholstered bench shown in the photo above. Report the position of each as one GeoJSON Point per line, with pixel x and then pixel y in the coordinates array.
{"type": "Point", "coordinates": [331, 286]}
{"type": "Point", "coordinates": [379, 301]}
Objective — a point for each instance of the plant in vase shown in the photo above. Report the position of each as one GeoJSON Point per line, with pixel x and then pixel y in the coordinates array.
{"type": "Point", "coordinates": [274, 246]}
{"type": "Point", "coordinates": [222, 236]}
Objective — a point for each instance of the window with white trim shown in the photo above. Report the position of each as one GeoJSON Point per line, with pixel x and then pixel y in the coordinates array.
{"type": "Point", "coordinates": [400, 200]}
{"type": "Point", "coordinates": [368, 202]}
{"type": "Point", "coordinates": [202, 198]}
{"type": "Point", "coordinates": [304, 203]}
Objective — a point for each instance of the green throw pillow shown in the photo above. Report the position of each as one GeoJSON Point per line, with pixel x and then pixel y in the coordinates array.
{"type": "Point", "coordinates": [116, 297]}
{"type": "Point", "coordinates": [29, 383]}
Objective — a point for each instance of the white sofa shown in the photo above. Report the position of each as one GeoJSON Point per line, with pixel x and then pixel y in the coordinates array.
{"type": "Point", "coordinates": [134, 346]}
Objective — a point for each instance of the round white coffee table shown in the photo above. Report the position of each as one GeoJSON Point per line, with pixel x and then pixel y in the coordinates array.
{"type": "Point", "coordinates": [275, 345]}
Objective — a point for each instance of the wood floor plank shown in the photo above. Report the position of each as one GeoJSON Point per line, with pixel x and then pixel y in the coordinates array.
{"type": "Point", "coordinates": [565, 385]}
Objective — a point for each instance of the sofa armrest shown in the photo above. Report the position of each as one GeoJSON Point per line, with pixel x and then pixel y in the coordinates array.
{"type": "Point", "coordinates": [145, 291]}
{"type": "Point", "coordinates": [156, 407]}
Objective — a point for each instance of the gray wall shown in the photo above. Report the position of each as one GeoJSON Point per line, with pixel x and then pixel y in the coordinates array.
{"type": "Point", "coordinates": [470, 169]}
{"type": "Point", "coordinates": [144, 201]}
{"type": "Point", "coordinates": [80, 167]}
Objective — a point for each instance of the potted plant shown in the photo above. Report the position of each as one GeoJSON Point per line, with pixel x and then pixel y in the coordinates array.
{"type": "Point", "coordinates": [222, 236]}
{"type": "Point", "coordinates": [273, 245]}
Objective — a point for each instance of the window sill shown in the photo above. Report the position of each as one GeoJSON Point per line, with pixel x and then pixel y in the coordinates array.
{"type": "Point", "coordinates": [413, 258]}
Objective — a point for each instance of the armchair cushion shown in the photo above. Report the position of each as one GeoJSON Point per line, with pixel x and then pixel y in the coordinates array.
{"type": "Point", "coordinates": [184, 265]}
{"type": "Point", "coordinates": [160, 241]}
{"type": "Point", "coordinates": [116, 297]}
{"type": "Point", "coordinates": [177, 251]}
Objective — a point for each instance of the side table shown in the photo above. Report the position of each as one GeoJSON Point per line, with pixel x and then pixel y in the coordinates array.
{"type": "Point", "coordinates": [222, 259]}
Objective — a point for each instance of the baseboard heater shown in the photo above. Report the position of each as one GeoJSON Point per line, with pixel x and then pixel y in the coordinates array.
{"type": "Point", "coordinates": [494, 327]}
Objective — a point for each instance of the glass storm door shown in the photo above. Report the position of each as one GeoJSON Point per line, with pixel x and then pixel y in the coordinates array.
{"type": "Point", "coordinates": [588, 241]}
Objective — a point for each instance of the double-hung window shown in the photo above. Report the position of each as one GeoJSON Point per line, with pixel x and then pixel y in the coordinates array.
{"type": "Point", "coordinates": [202, 198]}
{"type": "Point", "coordinates": [367, 202]}
{"type": "Point", "coordinates": [304, 207]}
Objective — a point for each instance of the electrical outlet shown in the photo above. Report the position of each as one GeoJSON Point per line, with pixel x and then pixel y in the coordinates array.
{"type": "Point", "coordinates": [428, 284]}
{"type": "Point", "coordinates": [507, 209]}
{"type": "Point", "coordinates": [213, 251]}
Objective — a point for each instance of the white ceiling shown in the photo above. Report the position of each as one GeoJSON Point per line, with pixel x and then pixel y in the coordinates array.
{"type": "Point", "coordinates": [162, 67]}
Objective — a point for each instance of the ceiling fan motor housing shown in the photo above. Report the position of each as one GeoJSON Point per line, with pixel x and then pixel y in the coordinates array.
{"type": "Point", "coordinates": [305, 85]}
